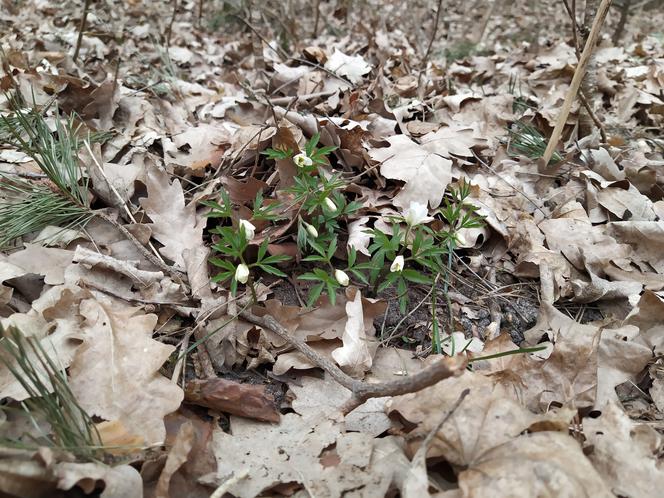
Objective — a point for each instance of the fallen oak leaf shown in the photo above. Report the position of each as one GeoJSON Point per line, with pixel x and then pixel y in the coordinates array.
{"type": "Point", "coordinates": [426, 173]}
{"type": "Point", "coordinates": [115, 373]}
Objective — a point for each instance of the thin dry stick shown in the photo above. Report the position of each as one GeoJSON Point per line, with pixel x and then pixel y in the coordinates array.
{"type": "Point", "coordinates": [434, 32]}
{"type": "Point", "coordinates": [317, 8]}
{"type": "Point", "coordinates": [577, 79]}
{"type": "Point", "coordinates": [81, 28]}
{"type": "Point", "coordinates": [420, 456]}
{"type": "Point", "coordinates": [121, 200]}
{"type": "Point", "coordinates": [362, 391]}
{"type": "Point", "coordinates": [582, 97]}
{"type": "Point", "coordinates": [175, 273]}
{"type": "Point", "coordinates": [200, 12]}
{"type": "Point", "coordinates": [169, 30]}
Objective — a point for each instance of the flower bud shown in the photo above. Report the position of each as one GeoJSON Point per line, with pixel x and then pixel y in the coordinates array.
{"type": "Point", "coordinates": [329, 204]}
{"type": "Point", "coordinates": [342, 277]}
{"type": "Point", "coordinates": [249, 229]}
{"type": "Point", "coordinates": [242, 273]}
{"type": "Point", "coordinates": [397, 264]}
{"type": "Point", "coordinates": [311, 230]}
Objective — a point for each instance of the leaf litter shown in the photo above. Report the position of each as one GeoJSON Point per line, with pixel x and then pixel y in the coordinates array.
{"type": "Point", "coordinates": [196, 392]}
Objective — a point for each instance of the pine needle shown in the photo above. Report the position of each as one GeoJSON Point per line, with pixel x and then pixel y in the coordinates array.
{"type": "Point", "coordinates": [527, 140]}
{"type": "Point", "coordinates": [27, 207]}
{"type": "Point", "coordinates": [50, 397]}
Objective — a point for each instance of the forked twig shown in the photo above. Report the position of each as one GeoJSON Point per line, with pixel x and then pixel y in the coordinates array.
{"type": "Point", "coordinates": [362, 391]}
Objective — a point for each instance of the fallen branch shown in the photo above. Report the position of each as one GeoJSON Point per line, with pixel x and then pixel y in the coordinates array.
{"type": "Point", "coordinates": [362, 391]}
{"type": "Point", "coordinates": [577, 79]}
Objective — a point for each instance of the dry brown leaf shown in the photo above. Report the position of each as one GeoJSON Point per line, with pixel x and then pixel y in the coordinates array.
{"type": "Point", "coordinates": [43, 473]}
{"type": "Point", "coordinates": [356, 355]}
{"type": "Point", "coordinates": [544, 464]}
{"type": "Point", "coordinates": [165, 205]}
{"type": "Point", "coordinates": [625, 453]}
{"type": "Point", "coordinates": [115, 374]}
{"type": "Point", "coordinates": [426, 173]}
{"type": "Point", "coordinates": [455, 140]}
{"type": "Point", "coordinates": [312, 451]}
{"type": "Point", "coordinates": [487, 418]}
{"type": "Point", "coordinates": [568, 375]}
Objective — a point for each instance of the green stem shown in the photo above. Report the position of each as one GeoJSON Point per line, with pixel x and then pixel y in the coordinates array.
{"type": "Point", "coordinates": [507, 353]}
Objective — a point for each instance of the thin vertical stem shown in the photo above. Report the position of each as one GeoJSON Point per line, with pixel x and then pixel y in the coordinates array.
{"type": "Point", "coordinates": [317, 8]}
{"type": "Point", "coordinates": [169, 30]}
{"type": "Point", "coordinates": [81, 28]}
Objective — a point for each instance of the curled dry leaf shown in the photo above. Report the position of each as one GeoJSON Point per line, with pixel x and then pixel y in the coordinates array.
{"type": "Point", "coordinates": [245, 400]}
{"type": "Point", "coordinates": [356, 354]}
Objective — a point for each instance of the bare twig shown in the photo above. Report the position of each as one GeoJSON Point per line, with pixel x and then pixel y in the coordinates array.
{"type": "Point", "coordinates": [577, 79]}
{"type": "Point", "coordinates": [317, 9]}
{"type": "Point", "coordinates": [120, 199]}
{"type": "Point", "coordinates": [81, 28]}
{"type": "Point", "coordinates": [362, 391]}
{"type": "Point", "coordinates": [434, 32]}
{"type": "Point", "coordinates": [582, 97]}
{"type": "Point", "coordinates": [422, 451]}
{"type": "Point", "coordinates": [169, 29]}
{"type": "Point", "coordinates": [175, 273]}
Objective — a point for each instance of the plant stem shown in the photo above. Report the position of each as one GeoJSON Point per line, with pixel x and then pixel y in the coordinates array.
{"type": "Point", "coordinates": [81, 28]}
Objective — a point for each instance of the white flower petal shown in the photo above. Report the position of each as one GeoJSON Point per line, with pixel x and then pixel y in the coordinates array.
{"type": "Point", "coordinates": [242, 273]}
{"type": "Point", "coordinates": [341, 277]}
{"type": "Point", "coordinates": [249, 229]}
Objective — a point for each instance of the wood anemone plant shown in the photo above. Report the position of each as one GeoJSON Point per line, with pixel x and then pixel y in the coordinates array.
{"type": "Point", "coordinates": [50, 398]}
{"type": "Point", "coordinates": [61, 197]}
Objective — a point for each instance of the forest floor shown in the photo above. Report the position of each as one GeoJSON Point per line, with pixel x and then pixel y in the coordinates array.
{"type": "Point", "coordinates": [313, 249]}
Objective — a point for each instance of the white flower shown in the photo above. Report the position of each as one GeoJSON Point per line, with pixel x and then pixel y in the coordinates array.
{"type": "Point", "coordinates": [397, 264]}
{"type": "Point", "coordinates": [242, 273]}
{"type": "Point", "coordinates": [458, 344]}
{"type": "Point", "coordinates": [301, 160]}
{"type": "Point", "coordinates": [342, 277]}
{"type": "Point", "coordinates": [329, 203]}
{"type": "Point", "coordinates": [311, 229]}
{"type": "Point", "coordinates": [249, 229]}
{"type": "Point", "coordinates": [416, 214]}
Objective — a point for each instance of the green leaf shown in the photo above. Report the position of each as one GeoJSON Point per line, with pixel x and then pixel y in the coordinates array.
{"type": "Point", "coordinates": [272, 270]}
{"type": "Point", "coordinates": [276, 258]}
{"type": "Point", "coordinates": [332, 292]}
{"type": "Point", "coordinates": [415, 276]}
{"type": "Point", "coordinates": [309, 276]}
{"type": "Point", "coordinates": [222, 263]}
{"type": "Point", "coordinates": [262, 249]}
{"type": "Point", "coordinates": [314, 293]}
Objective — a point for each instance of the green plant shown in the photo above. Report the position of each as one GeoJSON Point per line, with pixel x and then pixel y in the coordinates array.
{"type": "Point", "coordinates": [49, 395]}
{"type": "Point", "coordinates": [63, 199]}
{"type": "Point", "coordinates": [233, 246]}
{"type": "Point", "coordinates": [527, 140]}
